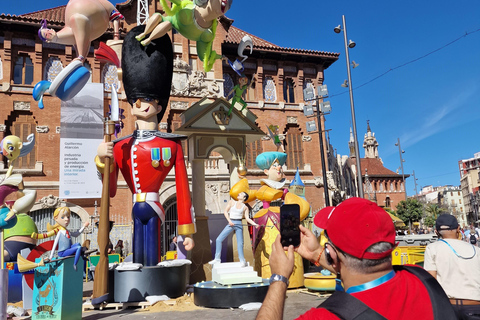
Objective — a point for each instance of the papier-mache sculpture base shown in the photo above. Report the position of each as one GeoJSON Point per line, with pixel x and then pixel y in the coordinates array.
{"type": "Point", "coordinates": [136, 285]}
{"type": "Point", "coordinates": [213, 295]}
{"type": "Point", "coordinates": [57, 291]}
{"type": "Point", "coordinates": [234, 273]}
{"type": "Point", "coordinates": [232, 285]}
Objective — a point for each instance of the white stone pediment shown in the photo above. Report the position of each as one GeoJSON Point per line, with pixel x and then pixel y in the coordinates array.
{"type": "Point", "coordinates": [211, 116]}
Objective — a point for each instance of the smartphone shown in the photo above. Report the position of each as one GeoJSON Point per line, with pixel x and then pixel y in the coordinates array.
{"type": "Point", "coordinates": [290, 225]}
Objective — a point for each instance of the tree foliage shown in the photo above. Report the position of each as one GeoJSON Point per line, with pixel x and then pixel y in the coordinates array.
{"type": "Point", "coordinates": [433, 210]}
{"type": "Point", "coordinates": [410, 210]}
{"type": "Point", "coordinates": [429, 221]}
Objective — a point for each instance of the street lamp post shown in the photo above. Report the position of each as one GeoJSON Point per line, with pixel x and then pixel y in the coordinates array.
{"type": "Point", "coordinates": [322, 156]}
{"type": "Point", "coordinates": [415, 181]}
{"type": "Point", "coordinates": [308, 97]}
{"type": "Point", "coordinates": [400, 151]}
{"type": "Point", "coordinates": [351, 44]}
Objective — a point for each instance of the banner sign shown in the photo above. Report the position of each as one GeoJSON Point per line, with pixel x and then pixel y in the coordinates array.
{"type": "Point", "coordinates": [81, 133]}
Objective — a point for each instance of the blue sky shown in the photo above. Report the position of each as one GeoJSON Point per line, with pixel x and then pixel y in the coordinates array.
{"type": "Point", "coordinates": [431, 104]}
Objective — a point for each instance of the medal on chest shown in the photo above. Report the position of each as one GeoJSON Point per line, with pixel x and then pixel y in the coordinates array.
{"type": "Point", "coordinates": [155, 155]}
{"type": "Point", "coordinates": [166, 155]}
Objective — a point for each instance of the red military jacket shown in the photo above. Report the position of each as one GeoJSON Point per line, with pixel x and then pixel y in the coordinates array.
{"type": "Point", "coordinates": [145, 158]}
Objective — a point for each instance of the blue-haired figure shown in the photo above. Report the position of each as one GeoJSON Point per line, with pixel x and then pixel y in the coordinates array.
{"type": "Point", "coordinates": [273, 193]}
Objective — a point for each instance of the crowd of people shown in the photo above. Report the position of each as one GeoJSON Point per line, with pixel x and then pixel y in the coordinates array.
{"type": "Point", "coordinates": [360, 240]}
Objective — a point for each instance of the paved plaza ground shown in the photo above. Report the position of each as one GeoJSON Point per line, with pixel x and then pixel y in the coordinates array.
{"type": "Point", "coordinates": [297, 302]}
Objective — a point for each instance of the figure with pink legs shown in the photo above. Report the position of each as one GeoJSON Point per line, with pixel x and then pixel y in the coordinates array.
{"type": "Point", "coordinates": [85, 21]}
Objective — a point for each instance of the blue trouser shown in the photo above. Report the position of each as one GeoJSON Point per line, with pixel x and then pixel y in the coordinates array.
{"type": "Point", "coordinates": [238, 228]}
{"type": "Point", "coordinates": [74, 249]}
{"type": "Point", "coordinates": [145, 234]}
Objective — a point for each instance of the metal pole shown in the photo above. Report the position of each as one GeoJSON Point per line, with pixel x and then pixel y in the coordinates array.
{"type": "Point", "coordinates": [352, 109]}
{"type": "Point", "coordinates": [322, 155]}
{"type": "Point", "coordinates": [415, 180]}
{"type": "Point", "coordinates": [401, 164]}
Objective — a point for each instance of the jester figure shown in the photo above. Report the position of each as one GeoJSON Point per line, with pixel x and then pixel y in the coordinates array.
{"type": "Point", "coordinates": [273, 193]}
{"type": "Point", "coordinates": [147, 156]}
{"type": "Point", "coordinates": [195, 20]}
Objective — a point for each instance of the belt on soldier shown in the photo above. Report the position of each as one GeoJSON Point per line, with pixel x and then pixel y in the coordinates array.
{"type": "Point", "coordinates": [464, 302]}
{"type": "Point", "coordinates": [146, 197]}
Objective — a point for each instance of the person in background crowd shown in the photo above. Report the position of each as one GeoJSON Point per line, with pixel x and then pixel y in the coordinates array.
{"type": "Point", "coordinates": [456, 266]}
{"type": "Point", "coordinates": [173, 243]}
{"type": "Point", "coordinates": [110, 247]}
{"type": "Point", "coordinates": [119, 248]}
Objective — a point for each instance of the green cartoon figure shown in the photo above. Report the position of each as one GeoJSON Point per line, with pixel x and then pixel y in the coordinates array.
{"type": "Point", "coordinates": [195, 20]}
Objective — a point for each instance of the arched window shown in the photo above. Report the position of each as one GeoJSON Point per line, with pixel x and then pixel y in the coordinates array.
{"type": "Point", "coordinates": [110, 77]}
{"type": "Point", "coordinates": [23, 124]}
{"type": "Point", "coordinates": [23, 70]}
{"type": "Point", "coordinates": [288, 90]}
{"type": "Point", "coordinates": [249, 94]}
{"type": "Point", "coordinates": [253, 149]}
{"type": "Point", "coordinates": [387, 202]}
{"type": "Point", "coordinates": [269, 91]}
{"type": "Point", "coordinates": [52, 68]}
{"type": "Point", "coordinates": [169, 228]}
{"type": "Point", "coordinates": [1, 69]}
{"type": "Point", "coordinates": [227, 86]}
{"type": "Point", "coordinates": [294, 148]}
{"type": "Point", "coordinates": [308, 84]}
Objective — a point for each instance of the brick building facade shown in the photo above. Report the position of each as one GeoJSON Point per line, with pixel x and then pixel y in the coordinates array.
{"type": "Point", "coordinates": [279, 76]}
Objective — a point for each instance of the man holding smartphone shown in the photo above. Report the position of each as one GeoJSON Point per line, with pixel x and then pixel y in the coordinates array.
{"type": "Point", "coordinates": [361, 238]}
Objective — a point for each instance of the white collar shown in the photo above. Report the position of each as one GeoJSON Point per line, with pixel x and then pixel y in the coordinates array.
{"type": "Point", "coordinates": [274, 184]}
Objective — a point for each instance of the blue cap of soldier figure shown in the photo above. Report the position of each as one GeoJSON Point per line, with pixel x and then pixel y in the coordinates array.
{"type": "Point", "coordinates": [446, 222]}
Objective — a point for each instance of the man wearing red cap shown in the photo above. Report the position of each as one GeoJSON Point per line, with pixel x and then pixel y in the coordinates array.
{"type": "Point", "coordinates": [456, 266]}
{"type": "Point", "coordinates": [361, 238]}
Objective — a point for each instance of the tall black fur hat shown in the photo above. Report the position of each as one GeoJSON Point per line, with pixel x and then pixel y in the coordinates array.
{"type": "Point", "coordinates": [147, 71]}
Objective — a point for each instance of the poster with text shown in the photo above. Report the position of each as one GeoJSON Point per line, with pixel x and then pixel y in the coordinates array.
{"type": "Point", "coordinates": [80, 134]}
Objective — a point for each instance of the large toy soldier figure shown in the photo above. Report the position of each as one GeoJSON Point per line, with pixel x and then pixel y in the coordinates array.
{"type": "Point", "coordinates": [147, 156]}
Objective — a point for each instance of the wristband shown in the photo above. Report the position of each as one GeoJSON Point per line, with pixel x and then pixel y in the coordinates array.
{"type": "Point", "coordinates": [317, 262]}
{"type": "Point", "coordinates": [277, 277]}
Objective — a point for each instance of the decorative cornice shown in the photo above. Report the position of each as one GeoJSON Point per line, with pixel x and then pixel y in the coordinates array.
{"type": "Point", "coordinates": [306, 138]}
{"type": "Point", "coordinates": [292, 120]}
{"type": "Point", "coordinates": [42, 129]}
{"type": "Point", "coordinates": [179, 105]}
{"type": "Point", "coordinates": [21, 105]}
{"type": "Point", "coordinates": [50, 201]}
